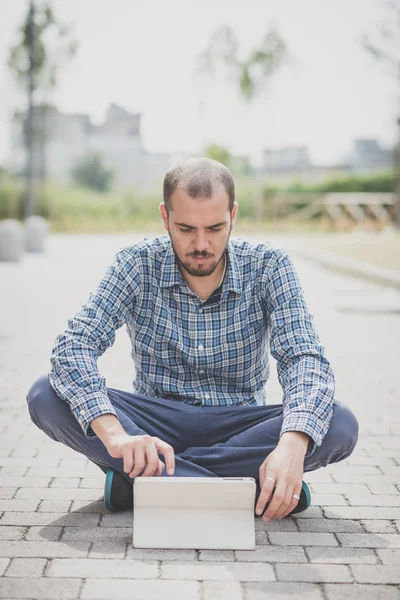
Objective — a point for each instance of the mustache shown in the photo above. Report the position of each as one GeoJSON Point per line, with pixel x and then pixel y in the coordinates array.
{"type": "Point", "coordinates": [200, 255]}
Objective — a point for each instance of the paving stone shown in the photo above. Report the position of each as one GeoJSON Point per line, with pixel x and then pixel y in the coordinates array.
{"type": "Point", "coordinates": [19, 505]}
{"type": "Point", "coordinates": [217, 571]}
{"type": "Point", "coordinates": [371, 526]}
{"type": "Point", "coordinates": [58, 494]}
{"type": "Point", "coordinates": [45, 549]}
{"type": "Point", "coordinates": [313, 512]}
{"type": "Point", "coordinates": [104, 568]}
{"type": "Point", "coordinates": [119, 519]}
{"type": "Point", "coordinates": [314, 573]}
{"type": "Point", "coordinates": [92, 482]}
{"type": "Point", "coordinates": [24, 452]}
{"type": "Point", "coordinates": [65, 482]}
{"type": "Point", "coordinates": [95, 506]}
{"type": "Point", "coordinates": [388, 574]}
{"type": "Point", "coordinates": [9, 532]}
{"type": "Point", "coordinates": [389, 556]}
{"type": "Point", "coordinates": [60, 506]}
{"type": "Point", "coordinates": [160, 554]}
{"type": "Point", "coordinates": [328, 500]}
{"type": "Point", "coordinates": [52, 471]}
{"type": "Point", "coordinates": [222, 590]}
{"type": "Point", "coordinates": [51, 534]}
{"type": "Point", "coordinates": [97, 534]}
{"type": "Point", "coordinates": [126, 589]}
{"type": "Point", "coordinates": [282, 591]}
{"type": "Point", "coordinates": [12, 472]}
{"type": "Point", "coordinates": [374, 500]}
{"type": "Point", "coordinates": [107, 549]}
{"type": "Point", "coordinates": [385, 489]}
{"type": "Point", "coordinates": [369, 540]}
{"type": "Point", "coordinates": [54, 519]}
{"type": "Point", "coordinates": [341, 555]}
{"type": "Point", "coordinates": [4, 562]}
{"type": "Point", "coordinates": [363, 512]}
{"type": "Point", "coordinates": [272, 554]}
{"type": "Point", "coordinates": [329, 525]}
{"type": "Point", "coordinates": [7, 493]}
{"type": "Point", "coordinates": [28, 567]}
{"type": "Point", "coordinates": [302, 539]}
{"type": "Point", "coordinates": [216, 555]}
{"type": "Point", "coordinates": [360, 592]}
{"type": "Point", "coordinates": [339, 488]}
{"type": "Point", "coordinates": [286, 524]}
{"type": "Point", "coordinates": [40, 587]}
{"type": "Point", "coordinates": [26, 482]}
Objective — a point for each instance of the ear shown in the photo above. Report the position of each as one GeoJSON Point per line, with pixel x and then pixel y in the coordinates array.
{"type": "Point", "coordinates": [233, 213]}
{"type": "Point", "coordinates": [164, 215]}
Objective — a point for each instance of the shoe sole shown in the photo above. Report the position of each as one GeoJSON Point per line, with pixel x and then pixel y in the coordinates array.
{"type": "Point", "coordinates": [107, 490]}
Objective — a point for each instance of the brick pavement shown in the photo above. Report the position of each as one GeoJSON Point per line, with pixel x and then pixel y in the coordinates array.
{"type": "Point", "coordinates": [57, 540]}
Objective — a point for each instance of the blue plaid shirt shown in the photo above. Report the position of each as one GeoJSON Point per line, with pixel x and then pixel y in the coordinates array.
{"type": "Point", "coordinates": [183, 350]}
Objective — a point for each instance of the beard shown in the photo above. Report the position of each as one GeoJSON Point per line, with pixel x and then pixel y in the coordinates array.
{"type": "Point", "coordinates": [199, 270]}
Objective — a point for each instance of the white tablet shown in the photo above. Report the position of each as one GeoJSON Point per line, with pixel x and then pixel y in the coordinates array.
{"type": "Point", "coordinates": [194, 512]}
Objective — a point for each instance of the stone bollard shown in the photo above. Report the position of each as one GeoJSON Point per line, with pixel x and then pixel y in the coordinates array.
{"type": "Point", "coordinates": [35, 233]}
{"type": "Point", "coordinates": [11, 240]}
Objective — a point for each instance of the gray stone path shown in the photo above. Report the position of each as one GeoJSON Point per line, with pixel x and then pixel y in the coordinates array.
{"type": "Point", "coordinates": [58, 541]}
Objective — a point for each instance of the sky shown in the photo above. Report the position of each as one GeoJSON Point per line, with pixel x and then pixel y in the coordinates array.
{"type": "Point", "coordinates": [142, 55]}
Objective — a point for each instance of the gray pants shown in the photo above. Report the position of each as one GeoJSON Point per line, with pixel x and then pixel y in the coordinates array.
{"type": "Point", "coordinates": [209, 441]}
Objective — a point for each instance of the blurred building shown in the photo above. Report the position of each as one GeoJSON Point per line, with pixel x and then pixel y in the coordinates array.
{"type": "Point", "coordinates": [293, 163]}
{"type": "Point", "coordinates": [367, 154]}
{"type": "Point", "coordinates": [63, 139]}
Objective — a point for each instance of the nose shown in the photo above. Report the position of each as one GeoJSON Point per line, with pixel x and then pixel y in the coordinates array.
{"type": "Point", "coordinates": [201, 241]}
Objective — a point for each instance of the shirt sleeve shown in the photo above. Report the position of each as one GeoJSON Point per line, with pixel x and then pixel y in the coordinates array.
{"type": "Point", "coordinates": [74, 374]}
{"type": "Point", "coordinates": [304, 372]}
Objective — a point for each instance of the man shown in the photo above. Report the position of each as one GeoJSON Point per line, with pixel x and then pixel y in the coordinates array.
{"type": "Point", "coordinates": [201, 311]}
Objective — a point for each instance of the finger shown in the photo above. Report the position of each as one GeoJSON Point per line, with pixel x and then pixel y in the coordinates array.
{"type": "Point", "coordinates": [277, 499]}
{"type": "Point", "coordinates": [160, 468]}
{"type": "Point", "coordinates": [168, 453]}
{"type": "Point", "coordinates": [283, 509]}
{"type": "Point", "coordinates": [139, 461]}
{"type": "Point", "coordinates": [265, 494]}
{"type": "Point", "coordinates": [152, 460]}
{"type": "Point", "coordinates": [293, 503]}
{"type": "Point", "coordinates": [127, 455]}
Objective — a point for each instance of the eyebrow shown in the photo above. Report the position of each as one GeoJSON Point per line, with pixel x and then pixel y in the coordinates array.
{"type": "Point", "coordinates": [209, 227]}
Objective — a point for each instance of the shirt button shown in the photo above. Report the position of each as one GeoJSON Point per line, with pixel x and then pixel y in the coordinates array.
{"type": "Point", "coordinates": [200, 310]}
{"type": "Point", "coordinates": [201, 371]}
{"type": "Point", "coordinates": [82, 412]}
{"type": "Point", "coordinates": [201, 347]}
{"type": "Point", "coordinates": [207, 396]}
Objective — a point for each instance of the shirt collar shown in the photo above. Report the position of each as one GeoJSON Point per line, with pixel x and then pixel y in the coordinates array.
{"type": "Point", "coordinates": [171, 274]}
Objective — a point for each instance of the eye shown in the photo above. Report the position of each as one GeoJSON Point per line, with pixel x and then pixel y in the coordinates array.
{"type": "Point", "coordinates": [215, 229]}
{"type": "Point", "coordinates": [184, 229]}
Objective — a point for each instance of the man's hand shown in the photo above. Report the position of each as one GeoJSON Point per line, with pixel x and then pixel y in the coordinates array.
{"type": "Point", "coordinates": [140, 451]}
{"type": "Point", "coordinates": [282, 471]}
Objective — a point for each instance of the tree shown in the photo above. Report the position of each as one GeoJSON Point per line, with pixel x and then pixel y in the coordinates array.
{"type": "Point", "coordinates": [220, 154]}
{"type": "Point", "coordinates": [250, 73]}
{"type": "Point", "coordinates": [92, 173]}
{"type": "Point", "coordinates": [43, 47]}
{"type": "Point", "coordinates": [384, 46]}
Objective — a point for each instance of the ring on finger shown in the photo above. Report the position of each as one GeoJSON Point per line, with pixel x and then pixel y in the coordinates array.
{"type": "Point", "coordinates": [270, 479]}
{"type": "Point", "coordinates": [296, 496]}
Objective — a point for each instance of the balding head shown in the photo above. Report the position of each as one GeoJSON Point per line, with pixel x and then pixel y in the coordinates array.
{"type": "Point", "coordinates": [199, 177]}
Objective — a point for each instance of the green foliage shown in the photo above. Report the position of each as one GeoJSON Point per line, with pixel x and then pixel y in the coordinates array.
{"type": "Point", "coordinates": [220, 154]}
{"type": "Point", "coordinates": [249, 74]}
{"type": "Point", "coordinates": [91, 172]}
{"type": "Point", "coordinates": [382, 181]}
{"type": "Point", "coordinates": [11, 198]}
{"type": "Point", "coordinates": [46, 61]}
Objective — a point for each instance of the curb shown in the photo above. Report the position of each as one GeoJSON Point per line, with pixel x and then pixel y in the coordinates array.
{"type": "Point", "coordinates": [385, 277]}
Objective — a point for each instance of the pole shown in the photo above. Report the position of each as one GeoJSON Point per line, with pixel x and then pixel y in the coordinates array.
{"type": "Point", "coordinates": [29, 199]}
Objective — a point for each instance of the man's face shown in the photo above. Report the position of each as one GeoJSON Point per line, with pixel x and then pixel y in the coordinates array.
{"type": "Point", "coordinates": [199, 229]}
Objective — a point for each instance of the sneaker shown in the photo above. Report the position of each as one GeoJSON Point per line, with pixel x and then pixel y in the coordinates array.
{"type": "Point", "coordinates": [302, 505]}
{"type": "Point", "coordinates": [118, 493]}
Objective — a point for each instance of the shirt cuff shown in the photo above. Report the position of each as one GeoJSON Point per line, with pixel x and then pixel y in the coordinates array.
{"type": "Point", "coordinates": [306, 423]}
{"type": "Point", "coordinates": [85, 413]}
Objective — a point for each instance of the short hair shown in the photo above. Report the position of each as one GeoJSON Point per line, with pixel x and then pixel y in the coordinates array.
{"type": "Point", "coordinates": [198, 176]}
